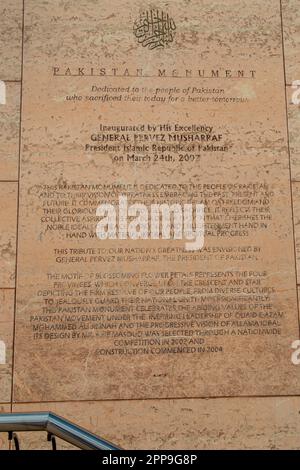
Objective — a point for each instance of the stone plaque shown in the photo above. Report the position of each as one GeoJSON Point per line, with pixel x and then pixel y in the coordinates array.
{"type": "Point", "coordinates": [177, 103]}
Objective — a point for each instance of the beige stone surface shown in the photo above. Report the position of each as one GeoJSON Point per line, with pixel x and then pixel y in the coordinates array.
{"type": "Point", "coordinates": [294, 136]}
{"type": "Point", "coordinates": [59, 351]}
{"type": "Point", "coordinates": [62, 354]}
{"type": "Point", "coordinates": [234, 423]}
{"type": "Point", "coordinates": [9, 137]}
{"type": "Point", "coordinates": [8, 226]}
{"type": "Point", "coordinates": [6, 336]}
{"type": "Point", "coordinates": [4, 445]}
{"type": "Point", "coordinates": [11, 13]}
{"type": "Point", "coordinates": [291, 34]}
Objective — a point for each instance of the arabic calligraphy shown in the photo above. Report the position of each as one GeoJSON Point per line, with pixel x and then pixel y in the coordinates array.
{"type": "Point", "coordinates": [154, 29]}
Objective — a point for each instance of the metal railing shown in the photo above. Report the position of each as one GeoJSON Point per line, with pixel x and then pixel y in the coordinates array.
{"type": "Point", "coordinates": [55, 426]}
